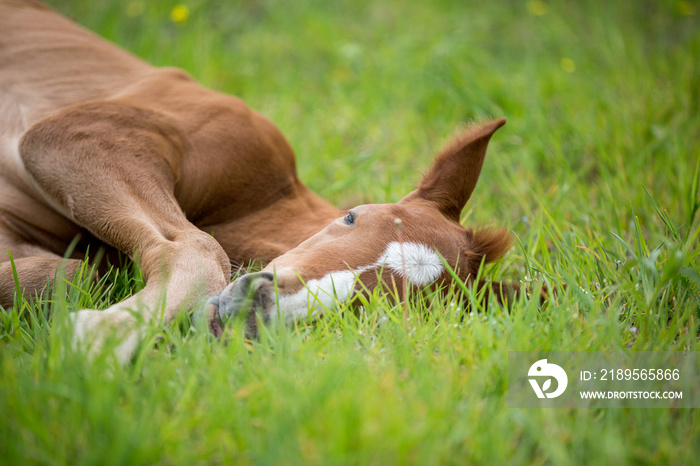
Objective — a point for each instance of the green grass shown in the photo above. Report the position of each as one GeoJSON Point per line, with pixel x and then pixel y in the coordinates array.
{"type": "Point", "coordinates": [596, 173]}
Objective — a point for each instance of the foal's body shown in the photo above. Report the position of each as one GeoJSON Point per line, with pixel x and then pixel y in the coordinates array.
{"type": "Point", "coordinates": [95, 142]}
{"type": "Point", "coordinates": [222, 161]}
{"type": "Point", "coordinates": [83, 122]}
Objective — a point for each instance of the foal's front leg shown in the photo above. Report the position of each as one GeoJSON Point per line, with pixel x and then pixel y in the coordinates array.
{"type": "Point", "coordinates": [111, 168]}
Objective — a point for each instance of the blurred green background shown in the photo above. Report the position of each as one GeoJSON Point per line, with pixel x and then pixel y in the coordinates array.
{"type": "Point", "coordinates": [596, 173]}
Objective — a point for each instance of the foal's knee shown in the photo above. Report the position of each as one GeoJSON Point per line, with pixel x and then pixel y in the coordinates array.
{"type": "Point", "coordinates": [187, 255]}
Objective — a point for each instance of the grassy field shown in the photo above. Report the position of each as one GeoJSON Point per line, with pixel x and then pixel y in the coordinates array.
{"type": "Point", "coordinates": [596, 173]}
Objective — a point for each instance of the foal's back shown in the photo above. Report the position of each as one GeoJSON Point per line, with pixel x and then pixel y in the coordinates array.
{"type": "Point", "coordinates": [48, 62]}
{"type": "Point", "coordinates": [229, 164]}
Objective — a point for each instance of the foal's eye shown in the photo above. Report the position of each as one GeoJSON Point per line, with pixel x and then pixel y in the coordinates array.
{"type": "Point", "coordinates": [349, 218]}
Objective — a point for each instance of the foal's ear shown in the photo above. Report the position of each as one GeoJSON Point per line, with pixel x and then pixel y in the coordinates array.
{"type": "Point", "coordinates": [451, 179]}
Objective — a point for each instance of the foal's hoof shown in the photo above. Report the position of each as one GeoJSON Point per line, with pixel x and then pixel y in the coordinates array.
{"type": "Point", "coordinates": [92, 329]}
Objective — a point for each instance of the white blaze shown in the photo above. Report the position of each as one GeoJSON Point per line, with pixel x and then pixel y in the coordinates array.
{"type": "Point", "coordinates": [418, 263]}
{"type": "Point", "coordinates": [318, 295]}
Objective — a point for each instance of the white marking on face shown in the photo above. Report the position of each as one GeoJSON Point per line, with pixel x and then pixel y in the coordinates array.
{"type": "Point", "coordinates": [420, 264]}
{"type": "Point", "coordinates": [318, 295]}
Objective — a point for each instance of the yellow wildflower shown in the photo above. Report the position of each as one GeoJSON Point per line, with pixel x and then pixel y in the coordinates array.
{"type": "Point", "coordinates": [537, 7]}
{"type": "Point", "coordinates": [180, 13]}
{"type": "Point", "coordinates": [568, 65]}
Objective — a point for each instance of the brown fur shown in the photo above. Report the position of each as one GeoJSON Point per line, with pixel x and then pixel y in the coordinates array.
{"type": "Point", "coordinates": [97, 144]}
{"type": "Point", "coordinates": [487, 245]}
{"type": "Point", "coordinates": [427, 216]}
{"type": "Point", "coordinates": [33, 274]}
{"type": "Point", "coordinates": [450, 182]}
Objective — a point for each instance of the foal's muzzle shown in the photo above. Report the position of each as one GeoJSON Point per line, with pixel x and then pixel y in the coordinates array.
{"type": "Point", "coordinates": [252, 296]}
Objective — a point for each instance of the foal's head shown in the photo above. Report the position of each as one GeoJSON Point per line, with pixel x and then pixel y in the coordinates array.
{"type": "Point", "coordinates": [388, 244]}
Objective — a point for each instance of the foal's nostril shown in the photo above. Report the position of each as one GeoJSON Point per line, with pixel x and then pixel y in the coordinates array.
{"type": "Point", "coordinates": [244, 281]}
{"type": "Point", "coordinates": [252, 282]}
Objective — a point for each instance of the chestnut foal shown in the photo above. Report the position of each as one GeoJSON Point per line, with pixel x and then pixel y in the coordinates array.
{"type": "Point", "coordinates": [389, 244]}
{"type": "Point", "coordinates": [97, 144]}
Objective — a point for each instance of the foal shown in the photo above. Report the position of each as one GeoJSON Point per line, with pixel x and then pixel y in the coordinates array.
{"type": "Point", "coordinates": [98, 145]}
{"type": "Point", "coordinates": [378, 244]}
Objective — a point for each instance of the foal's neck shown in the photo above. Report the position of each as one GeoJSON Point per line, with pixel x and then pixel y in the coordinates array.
{"type": "Point", "coordinates": [274, 230]}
